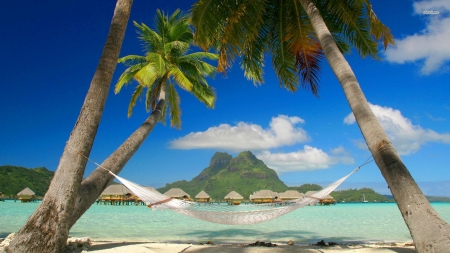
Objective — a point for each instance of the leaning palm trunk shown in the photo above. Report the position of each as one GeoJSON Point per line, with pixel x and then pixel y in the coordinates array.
{"type": "Point", "coordinates": [94, 184]}
{"type": "Point", "coordinates": [429, 231]}
{"type": "Point", "coordinates": [47, 229]}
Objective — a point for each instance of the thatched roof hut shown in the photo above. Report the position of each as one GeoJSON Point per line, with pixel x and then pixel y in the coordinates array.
{"type": "Point", "coordinates": [291, 194]}
{"type": "Point", "coordinates": [327, 200]}
{"type": "Point", "coordinates": [26, 192]}
{"type": "Point", "coordinates": [234, 198]}
{"type": "Point", "coordinates": [309, 193]}
{"type": "Point", "coordinates": [116, 192]}
{"type": "Point", "coordinates": [264, 196]}
{"type": "Point", "coordinates": [177, 193]}
{"type": "Point", "coordinates": [26, 195]}
{"type": "Point", "coordinates": [233, 195]}
{"type": "Point", "coordinates": [202, 197]}
{"type": "Point", "coordinates": [116, 189]}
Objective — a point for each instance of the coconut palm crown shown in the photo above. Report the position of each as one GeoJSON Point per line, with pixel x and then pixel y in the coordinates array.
{"type": "Point", "coordinates": [251, 28]}
{"type": "Point", "coordinates": [166, 63]}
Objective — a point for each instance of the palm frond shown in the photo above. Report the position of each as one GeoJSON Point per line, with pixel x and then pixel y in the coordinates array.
{"type": "Point", "coordinates": [151, 39]}
{"type": "Point", "coordinates": [147, 75]}
{"type": "Point", "coordinates": [283, 60]}
{"type": "Point", "coordinates": [134, 98]}
{"type": "Point", "coordinates": [204, 93]}
{"type": "Point", "coordinates": [180, 78]}
{"type": "Point", "coordinates": [131, 60]}
{"type": "Point", "coordinates": [174, 106]}
{"type": "Point", "coordinates": [349, 16]}
{"type": "Point", "coordinates": [377, 29]}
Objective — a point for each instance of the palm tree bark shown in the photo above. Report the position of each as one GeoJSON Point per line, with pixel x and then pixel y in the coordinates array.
{"type": "Point", "coordinates": [99, 179]}
{"type": "Point", "coordinates": [429, 231]}
{"type": "Point", "coordinates": [47, 229]}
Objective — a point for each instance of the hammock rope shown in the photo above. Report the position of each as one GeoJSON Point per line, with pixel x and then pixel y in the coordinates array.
{"type": "Point", "coordinates": [229, 214]}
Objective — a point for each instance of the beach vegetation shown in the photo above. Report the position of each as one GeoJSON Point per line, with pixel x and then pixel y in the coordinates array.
{"type": "Point", "coordinates": [304, 188]}
{"type": "Point", "coordinates": [298, 35]}
{"type": "Point", "coordinates": [359, 195]}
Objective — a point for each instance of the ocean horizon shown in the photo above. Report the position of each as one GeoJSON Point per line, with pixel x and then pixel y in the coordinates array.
{"type": "Point", "coordinates": [343, 222]}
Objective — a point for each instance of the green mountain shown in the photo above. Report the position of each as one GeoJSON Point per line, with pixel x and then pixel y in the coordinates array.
{"type": "Point", "coordinates": [13, 179]}
{"type": "Point", "coordinates": [244, 174]}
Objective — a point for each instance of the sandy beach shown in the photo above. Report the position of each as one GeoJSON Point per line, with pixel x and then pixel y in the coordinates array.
{"type": "Point", "coordinates": [146, 247]}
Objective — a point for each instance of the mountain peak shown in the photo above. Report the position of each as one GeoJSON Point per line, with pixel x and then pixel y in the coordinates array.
{"type": "Point", "coordinates": [246, 157]}
{"type": "Point", "coordinates": [220, 159]}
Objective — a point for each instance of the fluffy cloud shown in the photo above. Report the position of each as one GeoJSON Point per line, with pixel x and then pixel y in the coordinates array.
{"type": "Point", "coordinates": [309, 158]}
{"type": "Point", "coordinates": [428, 45]}
{"type": "Point", "coordinates": [406, 137]}
{"type": "Point", "coordinates": [282, 131]}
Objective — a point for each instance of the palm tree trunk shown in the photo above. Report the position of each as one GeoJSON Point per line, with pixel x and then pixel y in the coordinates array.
{"type": "Point", "coordinates": [429, 231]}
{"type": "Point", "coordinates": [47, 229]}
{"type": "Point", "coordinates": [99, 179]}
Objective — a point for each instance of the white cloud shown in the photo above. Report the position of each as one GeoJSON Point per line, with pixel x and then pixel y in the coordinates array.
{"type": "Point", "coordinates": [282, 131]}
{"type": "Point", "coordinates": [430, 45]}
{"type": "Point", "coordinates": [406, 137]}
{"type": "Point", "coordinates": [309, 158]}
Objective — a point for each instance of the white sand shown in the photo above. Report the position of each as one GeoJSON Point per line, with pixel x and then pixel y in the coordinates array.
{"type": "Point", "coordinates": [144, 247]}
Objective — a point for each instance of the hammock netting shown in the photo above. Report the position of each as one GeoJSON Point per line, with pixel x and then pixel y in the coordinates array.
{"type": "Point", "coordinates": [229, 214]}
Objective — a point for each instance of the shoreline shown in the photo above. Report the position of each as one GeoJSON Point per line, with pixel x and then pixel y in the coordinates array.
{"type": "Point", "coordinates": [85, 245]}
{"type": "Point", "coordinates": [166, 247]}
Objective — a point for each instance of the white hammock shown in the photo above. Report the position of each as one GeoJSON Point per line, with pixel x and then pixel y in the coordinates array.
{"type": "Point", "coordinates": [231, 215]}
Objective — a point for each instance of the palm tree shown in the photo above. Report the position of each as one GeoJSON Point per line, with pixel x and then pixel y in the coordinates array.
{"type": "Point", "coordinates": [298, 34]}
{"type": "Point", "coordinates": [166, 63]}
{"type": "Point", "coordinates": [47, 229]}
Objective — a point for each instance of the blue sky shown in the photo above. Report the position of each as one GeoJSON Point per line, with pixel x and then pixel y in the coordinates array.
{"type": "Point", "coordinates": [50, 52]}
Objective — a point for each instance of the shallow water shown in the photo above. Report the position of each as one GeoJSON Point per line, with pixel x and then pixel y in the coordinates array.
{"type": "Point", "coordinates": [344, 222]}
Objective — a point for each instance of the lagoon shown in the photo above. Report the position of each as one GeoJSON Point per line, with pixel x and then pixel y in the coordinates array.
{"type": "Point", "coordinates": [344, 222]}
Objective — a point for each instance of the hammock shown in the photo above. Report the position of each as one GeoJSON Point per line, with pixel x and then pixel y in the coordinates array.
{"type": "Point", "coordinates": [230, 215]}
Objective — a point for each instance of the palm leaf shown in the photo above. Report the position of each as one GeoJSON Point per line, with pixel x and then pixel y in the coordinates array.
{"type": "Point", "coordinates": [134, 98]}
{"type": "Point", "coordinates": [283, 60]}
{"type": "Point", "coordinates": [126, 77]}
{"type": "Point", "coordinates": [180, 78]}
{"type": "Point", "coordinates": [174, 106]}
{"type": "Point", "coordinates": [204, 93]}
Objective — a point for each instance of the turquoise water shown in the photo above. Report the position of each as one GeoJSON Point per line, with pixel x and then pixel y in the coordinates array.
{"type": "Point", "coordinates": [360, 222]}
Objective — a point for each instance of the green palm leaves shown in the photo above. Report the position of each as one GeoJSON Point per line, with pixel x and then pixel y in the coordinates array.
{"type": "Point", "coordinates": [168, 63]}
{"type": "Point", "coordinates": [251, 28]}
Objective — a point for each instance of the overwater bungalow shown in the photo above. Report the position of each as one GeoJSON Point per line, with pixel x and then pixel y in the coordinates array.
{"type": "Point", "coordinates": [264, 196]}
{"type": "Point", "coordinates": [26, 195]}
{"type": "Point", "coordinates": [327, 200]}
{"type": "Point", "coordinates": [116, 194]}
{"type": "Point", "coordinates": [309, 194]}
{"type": "Point", "coordinates": [202, 197]}
{"type": "Point", "coordinates": [291, 195]}
{"type": "Point", "coordinates": [233, 198]}
{"type": "Point", "coordinates": [177, 193]}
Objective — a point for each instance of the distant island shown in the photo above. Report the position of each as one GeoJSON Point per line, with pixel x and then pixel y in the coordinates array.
{"type": "Point", "coordinates": [13, 179]}
{"type": "Point", "coordinates": [244, 174]}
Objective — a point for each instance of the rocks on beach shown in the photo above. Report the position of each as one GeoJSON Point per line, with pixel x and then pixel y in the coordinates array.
{"type": "Point", "coordinates": [6, 242]}
{"type": "Point", "coordinates": [74, 243]}
{"type": "Point", "coordinates": [262, 244]}
{"type": "Point", "coordinates": [323, 243]}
